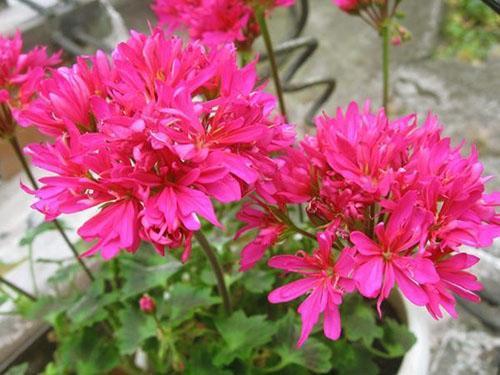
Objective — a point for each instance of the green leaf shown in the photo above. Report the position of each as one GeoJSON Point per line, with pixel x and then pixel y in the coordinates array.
{"type": "Point", "coordinates": [91, 306]}
{"type": "Point", "coordinates": [313, 355]}
{"type": "Point", "coordinates": [200, 363]}
{"type": "Point", "coordinates": [136, 328]}
{"type": "Point", "coordinates": [397, 338]}
{"type": "Point", "coordinates": [64, 274]}
{"type": "Point", "coordinates": [185, 299]}
{"type": "Point", "coordinates": [139, 278]}
{"type": "Point", "coordinates": [349, 359]}
{"type": "Point", "coordinates": [47, 308]}
{"type": "Point", "coordinates": [18, 370]}
{"type": "Point", "coordinates": [241, 335]}
{"type": "Point", "coordinates": [258, 281]}
{"type": "Point", "coordinates": [359, 321]}
{"type": "Point", "coordinates": [87, 351]}
{"type": "Point", "coordinates": [32, 233]}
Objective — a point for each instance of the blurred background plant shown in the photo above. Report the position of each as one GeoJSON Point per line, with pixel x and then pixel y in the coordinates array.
{"type": "Point", "coordinates": [470, 31]}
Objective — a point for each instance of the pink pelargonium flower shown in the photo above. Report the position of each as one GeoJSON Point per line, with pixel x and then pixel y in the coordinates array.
{"type": "Point", "coordinates": [153, 135]}
{"type": "Point", "coordinates": [453, 278]}
{"type": "Point", "coordinates": [20, 73]}
{"type": "Point", "coordinates": [269, 227]}
{"type": "Point", "coordinates": [323, 279]}
{"type": "Point", "coordinates": [392, 259]}
{"type": "Point", "coordinates": [215, 21]}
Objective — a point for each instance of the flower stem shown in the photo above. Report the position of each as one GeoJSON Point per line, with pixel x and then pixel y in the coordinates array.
{"type": "Point", "coordinates": [385, 63]}
{"type": "Point", "coordinates": [17, 149]}
{"type": "Point", "coordinates": [261, 19]}
{"type": "Point", "coordinates": [17, 289]}
{"type": "Point", "coordinates": [216, 268]}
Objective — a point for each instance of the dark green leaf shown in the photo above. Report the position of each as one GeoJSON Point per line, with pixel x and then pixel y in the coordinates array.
{"type": "Point", "coordinates": [349, 359]}
{"type": "Point", "coordinates": [88, 351]}
{"type": "Point", "coordinates": [313, 355]}
{"type": "Point", "coordinates": [200, 363]}
{"type": "Point", "coordinates": [397, 338]}
{"type": "Point", "coordinates": [258, 281]}
{"type": "Point", "coordinates": [139, 278]}
{"type": "Point", "coordinates": [359, 321]}
{"type": "Point", "coordinates": [136, 328]}
{"type": "Point", "coordinates": [91, 306]}
{"type": "Point", "coordinates": [241, 335]}
{"type": "Point", "coordinates": [185, 299]}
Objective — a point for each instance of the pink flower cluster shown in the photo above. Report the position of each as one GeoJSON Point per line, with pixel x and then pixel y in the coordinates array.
{"type": "Point", "coordinates": [151, 135]}
{"type": "Point", "coordinates": [20, 74]}
{"type": "Point", "coordinates": [215, 21]}
{"type": "Point", "coordinates": [391, 203]}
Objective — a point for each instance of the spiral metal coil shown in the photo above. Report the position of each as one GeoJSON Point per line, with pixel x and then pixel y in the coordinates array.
{"type": "Point", "coordinates": [493, 4]}
{"type": "Point", "coordinates": [296, 52]}
{"type": "Point", "coordinates": [66, 19]}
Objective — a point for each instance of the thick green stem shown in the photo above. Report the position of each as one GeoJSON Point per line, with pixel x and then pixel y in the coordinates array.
{"type": "Point", "coordinates": [261, 19]}
{"type": "Point", "coordinates": [216, 268]}
{"type": "Point", "coordinates": [17, 289]}
{"type": "Point", "coordinates": [17, 149]}
{"type": "Point", "coordinates": [385, 63]}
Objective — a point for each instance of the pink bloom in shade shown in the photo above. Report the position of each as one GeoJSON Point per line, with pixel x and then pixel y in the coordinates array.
{"type": "Point", "coordinates": [215, 21]}
{"type": "Point", "coordinates": [454, 279]}
{"type": "Point", "coordinates": [64, 101]}
{"type": "Point", "coordinates": [392, 259]}
{"type": "Point", "coordinates": [270, 229]}
{"type": "Point", "coordinates": [20, 73]}
{"type": "Point", "coordinates": [323, 279]}
{"type": "Point", "coordinates": [147, 304]}
{"type": "Point", "coordinates": [347, 5]}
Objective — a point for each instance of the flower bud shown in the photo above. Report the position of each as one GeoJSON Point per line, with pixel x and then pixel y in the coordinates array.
{"type": "Point", "coordinates": [7, 124]}
{"type": "Point", "coordinates": [147, 304]}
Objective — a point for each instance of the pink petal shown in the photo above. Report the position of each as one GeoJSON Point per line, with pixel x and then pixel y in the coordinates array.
{"type": "Point", "coordinates": [368, 277]}
{"type": "Point", "coordinates": [410, 288]}
{"type": "Point", "coordinates": [331, 325]}
{"type": "Point", "coordinates": [292, 290]}
{"type": "Point", "coordinates": [364, 244]}
{"type": "Point", "coordinates": [310, 310]}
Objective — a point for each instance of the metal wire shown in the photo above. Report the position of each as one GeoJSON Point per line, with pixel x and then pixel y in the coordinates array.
{"type": "Point", "coordinates": [493, 4]}
{"type": "Point", "coordinates": [70, 40]}
{"type": "Point", "coordinates": [295, 52]}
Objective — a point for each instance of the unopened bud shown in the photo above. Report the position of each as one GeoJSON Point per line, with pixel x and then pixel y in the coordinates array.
{"type": "Point", "coordinates": [147, 304]}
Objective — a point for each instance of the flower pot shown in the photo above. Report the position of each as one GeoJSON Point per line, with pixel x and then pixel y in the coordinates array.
{"type": "Point", "coordinates": [416, 361]}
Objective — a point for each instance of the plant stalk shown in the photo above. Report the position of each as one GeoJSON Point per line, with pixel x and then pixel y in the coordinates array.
{"type": "Point", "coordinates": [17, 149]}
{"type": "Point", "coordinates": [216, 268]}
{"type": "Point", "coordinates": [17, 289]}
{"type": "Point", "coordinates": [385, 63]}
{"type": "Point", "coordinates": [261, 19]}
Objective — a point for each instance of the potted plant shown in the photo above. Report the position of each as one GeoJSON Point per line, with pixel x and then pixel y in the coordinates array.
{"type": "Point", "coordinates": [217, 226]}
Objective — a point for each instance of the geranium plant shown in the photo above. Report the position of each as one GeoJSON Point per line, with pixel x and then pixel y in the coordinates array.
{"type": "Point", "coordinates": [196, 182]}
